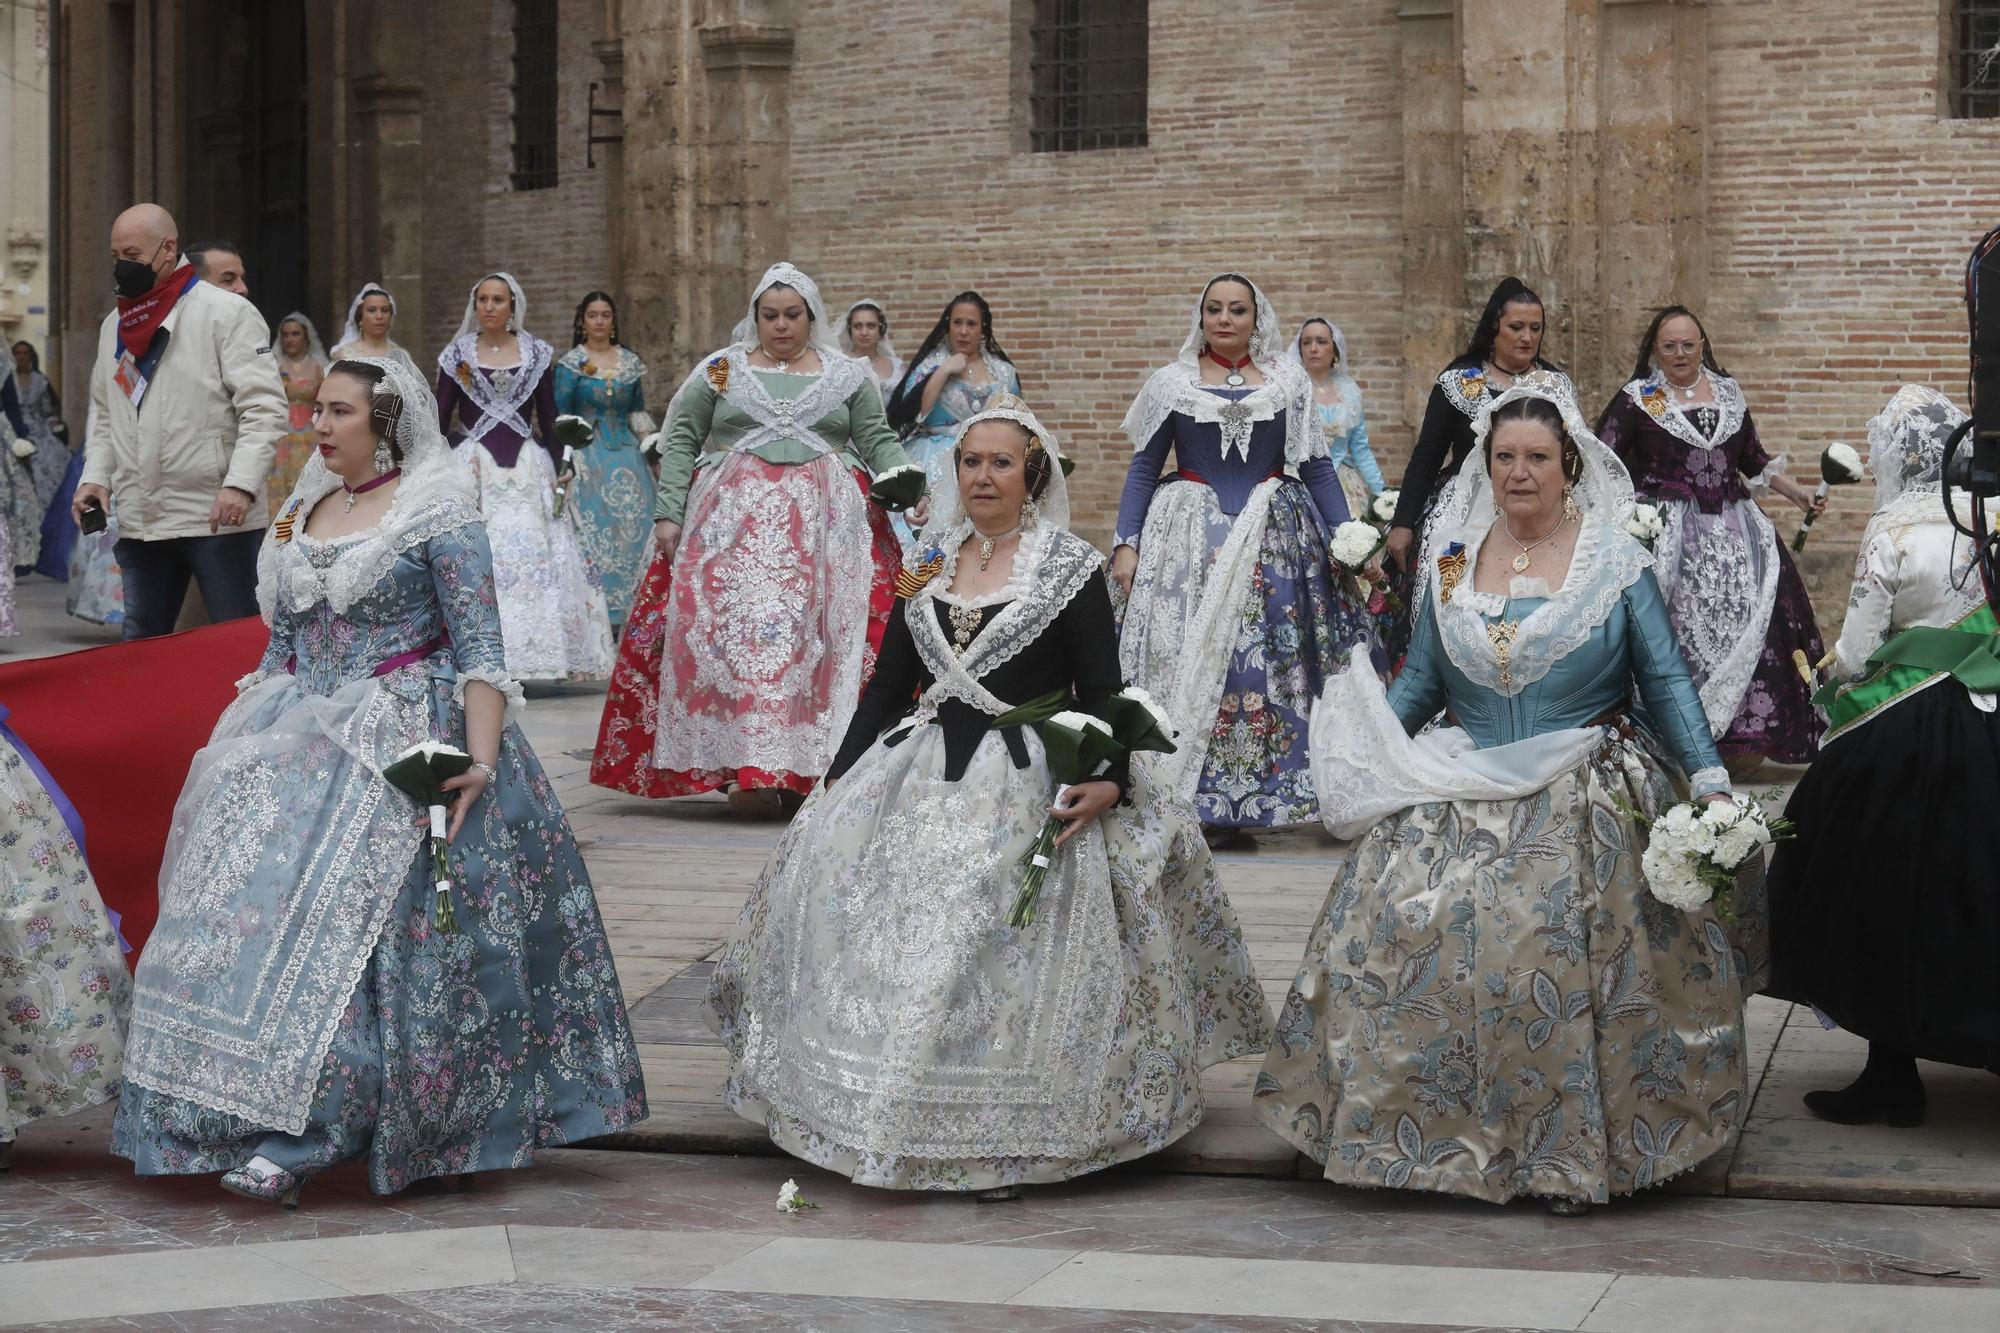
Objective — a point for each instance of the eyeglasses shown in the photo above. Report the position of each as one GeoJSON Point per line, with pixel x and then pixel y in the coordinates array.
{"type": "Point", "coordinates": [1679, 349]}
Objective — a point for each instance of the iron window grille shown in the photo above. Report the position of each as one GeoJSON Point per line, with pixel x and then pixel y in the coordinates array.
{"type": "Point", "coordinates": [1974, 71]}
{"type": "Point", "coordinates": [535, 37]}
{"type": "Point", "coordinates": [1087, 75]}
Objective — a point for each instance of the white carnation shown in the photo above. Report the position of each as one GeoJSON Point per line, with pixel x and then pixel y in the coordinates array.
{"type": "Point", "coordinates": [1646, 523]}
{"type": "Point", "coordinates": [1841, 462]}
{"type": "Point", "coordinates": [1353, 543]}
{"type": "Point", "coordinates": [1076, 721]}
{"type": "Point", "coordinates": [431, 750]}
{"type": "Point", "coordinates": [1383, 508]}
{"type": "Point", "coordinates": [1138, 695]}
{"type": "Point", "coordinates": [23, 448]}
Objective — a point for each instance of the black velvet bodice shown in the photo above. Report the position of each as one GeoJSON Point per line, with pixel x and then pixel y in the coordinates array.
{"type": "Point", "coordinates": [1078, 652]}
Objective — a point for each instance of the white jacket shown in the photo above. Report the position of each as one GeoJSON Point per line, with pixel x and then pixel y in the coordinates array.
{"type": "Point", "coordinates": [211, 417]}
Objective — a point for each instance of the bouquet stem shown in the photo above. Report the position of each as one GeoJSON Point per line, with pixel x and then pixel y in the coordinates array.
{"type": "Point", "coordinates": [1040, 852]}
{"type": "Point", "coordinates": [1799, 542]}
{"type": "Point", "coordinates": [444, 920]}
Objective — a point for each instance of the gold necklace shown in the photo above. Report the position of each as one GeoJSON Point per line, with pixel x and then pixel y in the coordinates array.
{"type": "Point", "coordinates": [986, 544]}
{"type": "Point", "coordinates": [1521, 561]}
{"type": "Point", "coordinates": [1501, 634]}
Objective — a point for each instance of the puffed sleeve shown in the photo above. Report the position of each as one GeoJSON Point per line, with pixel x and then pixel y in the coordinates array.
{"type": "Point", "coordinates": [461, 564]}
{"type": "Point", "coordinates": [1751, 457]}
{"type": "Point", "coordinates": [1870, 606]}
{"type": "Point", "coordinates": [1668, 690]}
{"type": "Point", "coordinates": [680, 446]}
{"type": "Point", "coordinates": [1417, 694]}
{"type": "Point", "coordinates": [868, 430]}
{"type": "Point", "coordinates": [1090, 644]}
{"type": "Point", "coordinates": [1427, 457]}
{"type": "Point", "coordinates": [1142, 478]}
{"type": "Point", "coordinates": [890, 693]}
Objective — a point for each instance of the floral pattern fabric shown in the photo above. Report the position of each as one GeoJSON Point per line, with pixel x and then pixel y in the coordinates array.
{"type": "Point", "coordinates": [64, 990]}
{"type": "Point", "coordinates": [297, 444]}
{"type": "Point", "coordinates": [612, 495]}
{"type": "Point", "coordinates": [1492, 1004]}
{"type": "Point", "coordinates": [425, 1053]}
{"type": "Point", "coordinates": [929, 445]}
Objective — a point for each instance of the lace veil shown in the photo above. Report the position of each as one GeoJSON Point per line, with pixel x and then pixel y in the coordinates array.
{"type": "Point", "coordinates": [1052, 506]}
{"type": "Point", "coordinates": [470, 321]}
{"type": "Point", "coordinates": [743, 338]}
{"type": "Point", "coordinates": [352, 329]}
{"type": "Point", "coordinates": [1906, 452]}
{"type": "Point", "coordinates": [847, 344]}
{"type": "Point", "coordinates": [434, 495]}
{"type": "Point", "coordinates": [1607, 559]}
{"type": "Point", "coordinates": [1349, 410]}
{"type": "Point", "coordinates": [1176, 387]}
{"type": "Point", "coordinates": [314, 347]}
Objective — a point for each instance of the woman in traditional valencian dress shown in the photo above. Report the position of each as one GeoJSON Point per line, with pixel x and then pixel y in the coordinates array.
{"type": "Point", "coordinates": [1506, 342]}
{"type": "Point", "coordinates": [299, 1003]}
{"type": "Point", "coordinates": [599, 379]}
{"type": "Point", "coordinates": [370, 317]}
{"type": "Point", "coordinates": [1883, 910]}
{"type": "Point", "coordinates": [18, 504]}
{"type": "Point", "coordinates": [1236, 615]}
{"type": "Point", "coordinates": [1492, 1003]}
{"type": "Point", "coordinates": [56, 467]}
{"type": "Point", "coordinates": [957, 371]}
{"type": "Point", "coordinates": [302, 364]}
{"type": "Point", "coordinates": [496, 380]}
{"type": "Point", "coordinates": [64, 991]}
{"type": "Point", "coordinates": [759, 616]}
{"type": "Point", "coordinates": [882, 1018]}
{"type": "Point", "coordinates": [1739, 607]}
{"type": "Point", "coordinates": [864, 334]}
{"type": "Point", "coordinates": [1321, 350]}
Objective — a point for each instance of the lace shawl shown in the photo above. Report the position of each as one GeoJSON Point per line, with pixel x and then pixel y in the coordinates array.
{"type": "Point", "coordinates": [1606, 560]}
{"type": "Point", "coordinates": [1651, 396]}
{"type": "Point", "coordinates": [628, 369]}
{"type": "Point", "coordinates": [497, 402]}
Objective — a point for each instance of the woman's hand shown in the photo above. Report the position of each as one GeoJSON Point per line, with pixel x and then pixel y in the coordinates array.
{"type": "Point", "coordinates": [464, 789]}
{"type": "Point", "coordinates": [667, 536]}
{"type": "Point", "coordinates": [1397, 548]}
{"type": "Point", "coordinates": [1124, 564]}
{"type": "Point", "coordinates": [920, 512]}
{"type": "Point", "coordinates": [954, 364]}
{"type": "Point", "coordinates": [1082, 803]}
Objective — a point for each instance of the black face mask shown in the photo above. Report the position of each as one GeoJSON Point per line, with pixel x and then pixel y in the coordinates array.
{"type": "Point", "coordinates": [134, 279]}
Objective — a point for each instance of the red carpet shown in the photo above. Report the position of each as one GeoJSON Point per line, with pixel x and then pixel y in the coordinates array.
{"type": "Point", "coordinates": [117, 727]}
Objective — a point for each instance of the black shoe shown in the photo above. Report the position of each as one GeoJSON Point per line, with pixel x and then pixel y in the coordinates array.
{"type": "Point", "coordinates": [1867, 1101]}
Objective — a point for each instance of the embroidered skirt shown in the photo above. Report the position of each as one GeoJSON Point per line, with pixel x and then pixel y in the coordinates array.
{"type": "Point", "coordinates": [553, 621]}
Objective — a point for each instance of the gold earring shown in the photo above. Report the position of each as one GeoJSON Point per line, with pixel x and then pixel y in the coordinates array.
{"type": "Point", "coordinates": [1569, 500]}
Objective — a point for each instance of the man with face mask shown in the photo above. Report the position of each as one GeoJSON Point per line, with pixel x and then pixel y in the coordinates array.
{"type": "Point", "coordinates": [190, 407]}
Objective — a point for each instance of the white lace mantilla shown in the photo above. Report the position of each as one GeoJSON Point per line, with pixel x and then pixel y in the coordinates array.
{"type": "Point", "coordinates": [1285, 391]}
{"type": "Point", "coordinates": [1730, 409]}
{"type": "Point", "coordinates": [781, 418]}
{"type": "Point", "coordinates": [340, 571]}
{"type": "Point", "coordinates": [626, 368]}
{"type": "Point", "coordinates": [501, 394]}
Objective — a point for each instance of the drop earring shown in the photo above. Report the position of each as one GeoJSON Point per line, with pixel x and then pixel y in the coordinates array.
{"type": "Point", "coordinates": [384, 460]}
{"type": "Point", "coordinates": [1031, 513]}
{"type": "Point", "coordinates": [1570, 510]}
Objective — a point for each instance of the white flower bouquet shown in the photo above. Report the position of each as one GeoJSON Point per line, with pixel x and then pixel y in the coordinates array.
{"type": "Point", "coordinates": [420, 773]}
{"type": "Point", "coordinates": [1079, 747]}
{"type": "Point", "coordinates": [22, 449]}
{"type": "Point", "coordinates": [1839, 465]}
{"type": "Point", "coordinates": [899, 488]}
{"type": "Point", "coordinates": [1382, 509]}
{"type": "Point", "coordinates": [1354, 544]}
{"type": "Point", "coordinates": [1646, 523]}
{"type": "Point", "coordinates": [1694, 850]}
{"type": "Point", "coordinates": [653, 448]}
{"type": "Point", "coordinates": [572, 433]}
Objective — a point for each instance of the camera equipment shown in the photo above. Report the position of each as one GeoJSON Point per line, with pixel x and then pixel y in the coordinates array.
{"type": "Point", "coordinates": [1972, 454]}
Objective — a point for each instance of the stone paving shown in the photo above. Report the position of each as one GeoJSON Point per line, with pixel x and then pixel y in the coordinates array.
{"type": "Point", "coordinates": [1218, 1232]}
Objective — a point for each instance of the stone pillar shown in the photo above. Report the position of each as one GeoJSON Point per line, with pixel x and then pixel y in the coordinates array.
{"type": "Point", "coordinates": [385, 198]}
{"type": "Point", "coordinates": [747, 63]}
{"type": "Point", "coordinates": [1562, 141]}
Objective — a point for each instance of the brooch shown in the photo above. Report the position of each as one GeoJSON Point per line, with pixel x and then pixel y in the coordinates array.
{"type": "Point", "coordinates": [1654, 399]}
{"type": "Point", "coordinates": [718, 374]}
{"type": "Point", "coordinates": [1451, 568]}
{"type": "Point", "coordinates": [588, 368]}
{"type": "Point", "coordinates": [465, 374]}
{"type": "Point", "coordinates": [1473, 384]}
{"type": "Point", "coordinates": [911, 580]}
{"type": "Point", "coordinates": [281, 531]}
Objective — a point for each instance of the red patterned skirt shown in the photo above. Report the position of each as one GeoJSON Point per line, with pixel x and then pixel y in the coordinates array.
{"type": "Point", "coordinates": [757, 694]}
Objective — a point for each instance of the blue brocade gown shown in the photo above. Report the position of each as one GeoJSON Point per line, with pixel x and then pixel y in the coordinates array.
{"type": "Point", "coordinates": [613, 491]}
{"type": "Point", "coordinates": [295, 1000]}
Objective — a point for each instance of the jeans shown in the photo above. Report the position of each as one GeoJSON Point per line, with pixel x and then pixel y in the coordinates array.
{"type": "Point", "coordinates": [156, 578]}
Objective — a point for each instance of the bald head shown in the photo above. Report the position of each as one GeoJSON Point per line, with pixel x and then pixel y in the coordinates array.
{"type": "Point", "coordinates": [146, 234]}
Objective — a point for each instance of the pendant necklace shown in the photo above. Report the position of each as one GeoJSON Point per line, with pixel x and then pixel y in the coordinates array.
{"type": "Point", "coordinates": [986, 544]}
{"type": "Point", "coordinates": [1234, 379]}
{"type": "Point", "coordinates": [1686, 391]}
{"type": "Point", "coordinates": [782, 367]}
{"type": "Point", "coordinates": [1493, 369]}
{"type": "Point", "coordinates": [1521, 561]}
{"type": "Point", "coordinates": [366, 486]}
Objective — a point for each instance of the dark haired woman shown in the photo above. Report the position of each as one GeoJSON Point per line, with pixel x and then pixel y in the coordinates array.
{"type": "Point", "coordinates": [1739, 607]}
{"type": "Point", "coordinates": [864, 334]}
{"type": "Point", "coordinates": [298, 1004]}
{"type": "Point", "coordinates": [955, 373]}
{"type": "Point", "coordinates": [1506, 342]}
{"type": "Point", "coordinates": [496, 399]}
{"type": "Point", "coordinates": [1236, 616]}
{"type": "Point", "coordinates": [1492, 1003]}
{"type": "Point", "coordinates": [599, 379]}
{"type": "Point", "coordinates": [765, 601]}
{"type": "Point", "coordinates": [883, 1020]}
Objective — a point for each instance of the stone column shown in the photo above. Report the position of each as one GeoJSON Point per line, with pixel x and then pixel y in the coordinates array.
{"type": "Point", "coordinates": [747, 62]}
{"type": "Point", "coordinates": [1433, 195]}
{"type": "Point", "coordinates": [385, 201]}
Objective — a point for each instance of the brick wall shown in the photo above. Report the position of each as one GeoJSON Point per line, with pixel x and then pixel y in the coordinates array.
{"type": "Point", "coordinates": [1283, 162]}
{"type": "Point", "coordinates": [554, 241]}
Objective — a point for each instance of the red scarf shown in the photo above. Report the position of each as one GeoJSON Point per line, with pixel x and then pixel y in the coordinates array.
{"type": "Point", "coordinates": [140, 317]}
